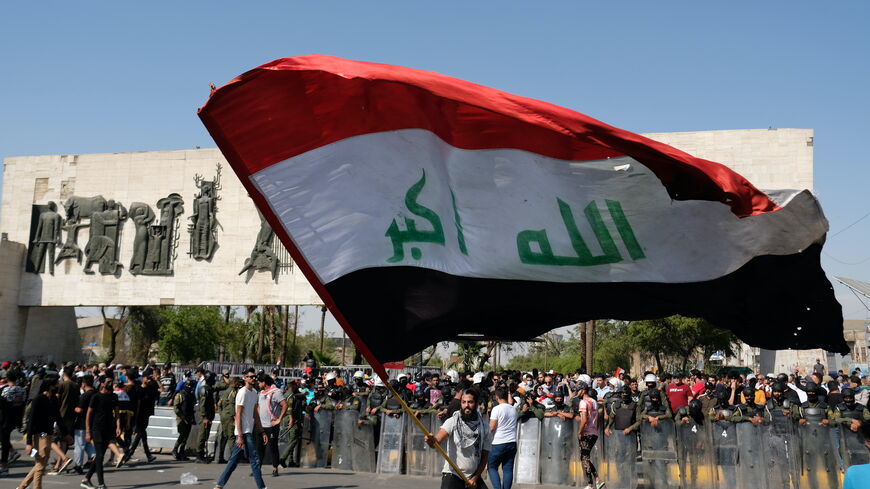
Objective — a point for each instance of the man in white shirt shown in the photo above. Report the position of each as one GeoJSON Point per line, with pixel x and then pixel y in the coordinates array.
{"type": "Point", "coordinates": [503, 426]}
{"type": "Point", "coordinates": [468, 444]}
{"type": "Point", "coordinates": [247, 423]}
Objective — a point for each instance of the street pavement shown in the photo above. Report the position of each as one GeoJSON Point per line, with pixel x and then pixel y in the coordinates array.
{"type": "Point", "coordinates": [166, 472]}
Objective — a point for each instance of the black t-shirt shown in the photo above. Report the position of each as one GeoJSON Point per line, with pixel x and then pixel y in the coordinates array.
{"type": "Point", "coordinates": [147, 398]}
{"type": "Point", "coordinates": [133, 392]}
{"type": "Point", "coordinates": [84, 403]}
{"type": "Point", "coordinates": [103, 417]}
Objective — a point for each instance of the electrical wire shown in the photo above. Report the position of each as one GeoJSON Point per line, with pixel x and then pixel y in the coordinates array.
{"type": "Point", "coordinates": [865, 260]}
{"type": "Point", "coordinates": [850, 225]}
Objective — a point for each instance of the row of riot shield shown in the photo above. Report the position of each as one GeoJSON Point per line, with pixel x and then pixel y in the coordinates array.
{"type": "Point", "coordinates": [711, 455]}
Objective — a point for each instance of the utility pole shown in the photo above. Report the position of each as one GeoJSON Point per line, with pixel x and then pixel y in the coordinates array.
{"type": "Point", "coordinates": [590, 345]}
{"type": "Point", "coordinates": [322, 322]}
{"type": "Point", "coordinates": [295, 323]}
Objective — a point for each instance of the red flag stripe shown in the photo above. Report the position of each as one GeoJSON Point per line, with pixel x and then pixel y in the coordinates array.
{"type": "Point", "coordinates": [293, 105]}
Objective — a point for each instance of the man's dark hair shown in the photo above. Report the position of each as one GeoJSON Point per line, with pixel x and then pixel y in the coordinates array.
{"type": "Point", "coordinates": [855, 379]}
{"type": "Point", "coordinates": [266, 379]}
{"type": "Point", "coordinates": [463, 384]}
{"type": "Point", "coordinates": [833, 386]}
{"type": "Point", "coordinates": [48, 383]}
{"type": "Point", "coordinates": [88, 380]}
{"type": "Point", "coordinates": [473, 392]}
{"type": "Point", "coordinates": [250, 371]}
{"type": "Point", "coordinates": [501, 393]}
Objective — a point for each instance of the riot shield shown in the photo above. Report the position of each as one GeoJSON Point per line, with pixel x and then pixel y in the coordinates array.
{"type": "Point", "coordinates": [321, 431]}
{"type": "Point", "coordinates": [392, 440]}
{"type": "Point", "coordinates": [819, 462]}
{"type": "Point", "coordinates": [725, 453]}
{"type": "Point", "coordinates": [436, 461]}
{"type": "Point", "coordinates": [557, 444]}
{"type": "Point", "coordinates": [345, 427]}
{"type": "Point", "coordinates": [307, 455]}
{"type": "Point", "coordinates": [781, 452]}
{"type": "Point", "coordinates": [619, 467]}
{"type": "Point", "coordinates": [853, 448]}
{"type": "Point", "coordinates": [527, 465]}
{"type": "Point", "coordinates": [695, 449]}
{"type": "Point", "coordinates": [751, 459]}
{"type": "Point", "coordinates": [364, 448]}
{"type": "Point", "coordinates": [659, 454]}
{"type": "Point", "coordinates": [417, 452]}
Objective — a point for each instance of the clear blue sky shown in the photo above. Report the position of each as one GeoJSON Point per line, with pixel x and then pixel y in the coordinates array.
{"type": "Point", "coordinates": [94, 77]}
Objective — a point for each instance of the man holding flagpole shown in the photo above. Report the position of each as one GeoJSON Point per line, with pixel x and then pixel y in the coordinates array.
{"type": "Point", "coordinates": [468, 443]}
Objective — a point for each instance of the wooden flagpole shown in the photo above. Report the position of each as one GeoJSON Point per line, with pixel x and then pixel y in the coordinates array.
{"type": "Point", "coordinates": [426, 432]}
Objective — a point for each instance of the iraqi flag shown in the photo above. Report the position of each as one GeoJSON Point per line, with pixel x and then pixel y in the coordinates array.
{"type": "Point", "coordinates": [421, 207]}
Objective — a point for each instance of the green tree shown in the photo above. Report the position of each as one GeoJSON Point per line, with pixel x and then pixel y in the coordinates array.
{"type": "Point", "coordinates": [613, 346]}
{"type": "Point", "coordinates": [679, 338]}
{"type": "Point", "coordinates": [190, 333]}
{"type": "Point", "coordinates": [143, 324]}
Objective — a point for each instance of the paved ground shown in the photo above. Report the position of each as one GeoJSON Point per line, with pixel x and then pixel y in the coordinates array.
{"type": "Point", "coordinates": [165, 472]}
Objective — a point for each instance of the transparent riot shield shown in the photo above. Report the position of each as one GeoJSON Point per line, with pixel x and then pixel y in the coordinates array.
{"type": "Point", "coordinates": [417, 452]}
{"type": "Point", "coordinates": [344, 429]}
{"type": "Point", "coordinates": [852, 447]}
{"type": "Point", "coordinates": [751, 459]}
{"type": "Point", "coordinates": [696, 453]}
{"type": "Point", "coordinates": [819, 462]}
{"type": "Point", "coordinates": [364, 448]}
{"type": "Point", "coordinates": [527, 465]}
{"type": "Point", "coordinates": [307, 455]}
{"type": "Point", "coordinates": [392, 441]}
{"type": "Point", "coordinates": [321, 431]}
{"type": "Point", "coordinates": [619, 467]}
{"type": "Point", "coordinates": [557, 444]}
{"type": "Point", "coordinates": [436, 461]}
{"type": "Point", "coordinates": [725, 453]}
{"type": "Point", "coordinates": [781, 451]}
{"type": "Point", "coordinates": [659, 453]}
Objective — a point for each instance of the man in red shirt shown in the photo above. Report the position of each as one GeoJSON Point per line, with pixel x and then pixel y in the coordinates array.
{"type": "Point", "coordinates": [678, 393]}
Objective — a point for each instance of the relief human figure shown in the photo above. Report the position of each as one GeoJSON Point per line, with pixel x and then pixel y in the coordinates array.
{"type": "Point", "coordinates": [47, 236]}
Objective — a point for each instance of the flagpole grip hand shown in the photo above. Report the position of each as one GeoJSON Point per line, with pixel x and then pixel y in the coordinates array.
{"type": "Point", "coordinates": [426, 433]}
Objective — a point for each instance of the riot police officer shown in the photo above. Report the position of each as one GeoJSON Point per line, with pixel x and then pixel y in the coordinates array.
{"type": "Point", "coordinates": [227, 410]}
{"type": "Point", "coordinates": [359, 387]}
{"type": "Point", "coordinates": [748, 410]}
{"type": "Point", "coordinates": [184, 405]}
{"type": "Point", "coordinates": [814, 409]}
{"type": "Point", "coordinates": [206, 416]}
{"type": "Point", "coordinates": [622, 413]}
{"type": "Point", "coordinates": [651, 382]}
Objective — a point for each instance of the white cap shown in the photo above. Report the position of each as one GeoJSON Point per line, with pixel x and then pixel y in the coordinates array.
{"type": "Point", "coordinates": [750, 376]}
{"type": "Point", "coordinates": [585, 378]}
{"type": "Point", "coordinates": [616, 383]}
{"type": "Point", "coordinates": [402, 374]}
{"type": "Point", "coordinates": [478, 378]}
{"type": "Point", "coordinates": [378, 381]}
{"type": "Point", "coordinates": [330, 376]}
{"type": "Point", "coordinates": [454, 376]}
{"type": "Point", "coordinates": [650, 378]}
{"type": "Point", "coordinates": [358, 374]}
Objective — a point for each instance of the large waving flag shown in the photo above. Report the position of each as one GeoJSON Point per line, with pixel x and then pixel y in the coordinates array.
{"type": "Point", "coordinates": [422, 206]}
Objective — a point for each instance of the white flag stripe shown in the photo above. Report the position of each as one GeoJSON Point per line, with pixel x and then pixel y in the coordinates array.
{"type": "Point", "coordinates": [338, 202]}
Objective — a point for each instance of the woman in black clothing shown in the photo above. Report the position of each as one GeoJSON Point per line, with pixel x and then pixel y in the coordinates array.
{"type": "Point", "coordinates": [101, 427]}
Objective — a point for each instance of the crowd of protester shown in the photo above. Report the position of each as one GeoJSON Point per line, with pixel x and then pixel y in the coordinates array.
{"type": "Point", "coordinates": [72, 415]}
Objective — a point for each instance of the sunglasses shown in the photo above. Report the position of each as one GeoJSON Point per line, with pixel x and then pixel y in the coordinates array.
{"type": "Point", "coordinates": [250, 376]}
